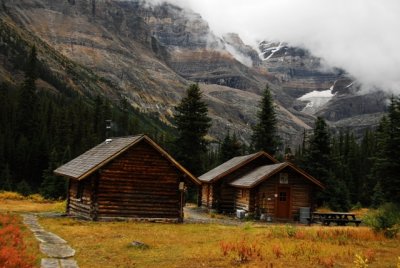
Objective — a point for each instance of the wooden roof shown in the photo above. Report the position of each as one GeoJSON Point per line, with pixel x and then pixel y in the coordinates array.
{"type": "Point", "coordinates": [262, 173]}
{"type": "Point", "coordinates": [232, 165]}
{"type": "Point", "coordinates": [95, 158]}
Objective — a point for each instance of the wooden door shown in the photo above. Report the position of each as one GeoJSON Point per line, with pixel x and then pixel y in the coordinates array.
{"type": "Point", "coordinates": [283, 203]}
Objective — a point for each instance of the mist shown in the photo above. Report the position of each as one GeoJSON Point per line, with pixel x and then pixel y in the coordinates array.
{"type": "Point", "coordinates": [360, 36]}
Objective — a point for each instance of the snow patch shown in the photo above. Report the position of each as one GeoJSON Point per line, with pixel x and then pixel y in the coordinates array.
{"type": "Point", "coordinates": [270, 50]}
{"type": "Point", "coordinates": [316, 99]}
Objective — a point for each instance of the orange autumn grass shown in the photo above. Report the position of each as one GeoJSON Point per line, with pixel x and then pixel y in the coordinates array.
{"type": "Point", "coordinates": [106, 244]}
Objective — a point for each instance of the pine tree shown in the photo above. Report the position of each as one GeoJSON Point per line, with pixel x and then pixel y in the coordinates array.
{"type": "Point", "coordinates": [28, 100]}
{"type": "Point", "coordinates": [5, 179]}
{"type": "Point", "coordinates": [380, 162]}
{"type": "Point", "coordinates": [318, 155]}
{"type": "Point", "coordinates": [53, 187]}
{"type": "Point", "coordinates": [319, 163]}
{"type": "Point", "coordinates": [367, 154]}
{"type": "Point", "coordinates": [265, 131]}
{"type": "Point", "coordinates": [192, 123]}
{"type": "Point", "coordinates": [230, 147]}
{"type": "Point", "coordinates": [391, 180]}
{"type": "Point", "coordinates": [378, 197]}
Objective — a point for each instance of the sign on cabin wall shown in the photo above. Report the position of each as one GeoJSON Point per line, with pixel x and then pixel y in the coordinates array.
{"type": "Point", "coordinates": [284, 178]}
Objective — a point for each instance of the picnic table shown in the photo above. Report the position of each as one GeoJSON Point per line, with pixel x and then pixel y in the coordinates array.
{"type": "Point", "coordinates": [340, 218]}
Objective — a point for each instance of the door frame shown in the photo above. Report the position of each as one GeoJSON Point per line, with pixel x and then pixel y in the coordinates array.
{"type": "Point", "coordinates": [289, 201]}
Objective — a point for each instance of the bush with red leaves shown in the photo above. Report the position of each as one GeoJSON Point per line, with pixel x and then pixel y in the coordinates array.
{"type": "Point", "coordinates": [12, 248]}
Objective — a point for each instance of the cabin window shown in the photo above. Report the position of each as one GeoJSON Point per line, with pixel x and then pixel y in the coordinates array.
{"type": "Point", "coordinates": [283, 178]}
{"type": "Point", "coordinates": [282, 196]}
{"type": "Point", "coordinates": [80, 190]}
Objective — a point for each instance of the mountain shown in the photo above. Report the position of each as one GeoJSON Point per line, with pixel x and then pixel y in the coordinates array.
{"type": "Point", "coordinates": [149, 54]}
{"type": "Point", "coordinates": [320, 91]}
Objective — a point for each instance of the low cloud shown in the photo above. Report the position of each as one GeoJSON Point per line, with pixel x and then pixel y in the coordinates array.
{"type": "Point", "coordinates": [360, 36]}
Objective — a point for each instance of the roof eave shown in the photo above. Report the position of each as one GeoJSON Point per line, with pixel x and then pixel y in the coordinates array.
{"type": "Point", "coordinates": [101, 164]}
{"type": "Point", "coordinates": [263, 178]}
{"type": "Point", "coordinates": [233, 169]}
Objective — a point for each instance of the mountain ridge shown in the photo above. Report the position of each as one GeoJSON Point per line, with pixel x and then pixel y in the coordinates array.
{"type": "Point", "coordinates": [150, 54]}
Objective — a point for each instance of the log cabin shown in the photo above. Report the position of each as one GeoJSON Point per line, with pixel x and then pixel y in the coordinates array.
{"type": "Point", "coordinates": [126, 178]}
{"type": "Point", "coordinates": [278, 190]}
{"type": "Point", "coordinates": [216, 192]}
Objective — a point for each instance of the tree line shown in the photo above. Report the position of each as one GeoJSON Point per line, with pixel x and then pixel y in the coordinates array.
{"type": "Point", "coordinates": [41, 129]}
{"type": "Point", "coordinates": [355, 172]}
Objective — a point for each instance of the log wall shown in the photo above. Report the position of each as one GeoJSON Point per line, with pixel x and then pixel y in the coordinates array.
{"type": "Point", "coordinates": [227, 194]}
{"type": "Point", "coordinates": [81, 206]}
{"type": "Point", "coordinates": [207, 196]}
{"type": "Point", "coordinates": [242, 199]}
{"type": "Point", "coordinates": [141, 183]}
{"type": "Point", "coordinates": [301, 191]}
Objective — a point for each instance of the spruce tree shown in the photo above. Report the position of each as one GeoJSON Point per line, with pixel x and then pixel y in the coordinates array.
{"type": "Point", "coordinates": [265, 131]}
{"type": "Point", "coordinates": [381, 163]}
{"type": "Point", "coordinates": [391, 184]}
{"type": "Point", "coordinates": [318, 155]}
{"type": "Point", "coordinates": [192, 123]}
{"type": "Point", "coordinates": [27, 106]}
{"type": "Point", "coordinates": [230, 147]}
{"type": "Point", "coordinates": [53, 187]}
{"type": "Point", "coordinates": [319, 163]}
{"type": "Point", "coordinates": [367, 153]}
{"type": "Point", "coordinates": [387, 165]}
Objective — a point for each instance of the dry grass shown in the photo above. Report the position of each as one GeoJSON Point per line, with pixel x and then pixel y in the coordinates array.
{"type": "Point", "coordinates": [106, 244]}
{"type": "Point", "coordinates": [14, 202]}
{"type": "Point", "coordinates": [212, 245]}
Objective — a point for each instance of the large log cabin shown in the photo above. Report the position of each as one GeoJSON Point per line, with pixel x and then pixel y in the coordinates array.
{"type": "Point", "coordinates": [279, 190]}
{"type": "Point", "coordinates": [216, 192]}
{"type": "Point", "coordinates": [126, 178]}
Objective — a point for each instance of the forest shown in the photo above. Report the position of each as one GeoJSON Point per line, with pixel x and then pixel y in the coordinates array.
{"type": "Point", "coordinates": [41, 129]}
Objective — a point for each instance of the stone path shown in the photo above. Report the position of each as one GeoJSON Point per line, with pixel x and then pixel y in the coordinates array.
{"type": "Point", "coordinates": [59, 253]}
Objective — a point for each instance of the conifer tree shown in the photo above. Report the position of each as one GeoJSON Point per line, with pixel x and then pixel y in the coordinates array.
{"type": "Point", "coordinates": [320, 165]}
{"type": "Point", "coordinates": [378, 197]}
{"type": "Point", "coordinates": [318, 155]}
{"type": "Point", "coordinates": [53, 187]}
{"type": "Point", "coordinates": [265, 131]}
{"type": "Point", "coordinates": [387, 167]}
{"type": "Point", "coordinates": [391, 184]}
{"type": "Point", "coordinates": [380, 163]}
{"type": "Point", "coordinates": [28, 100]}
{"type": "Point", "coordinates": [192, 123]}
{"type": "Point", "coordinates": [230, 147]}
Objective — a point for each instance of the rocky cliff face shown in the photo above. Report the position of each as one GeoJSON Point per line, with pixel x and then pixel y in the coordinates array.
{"type": "Point", "coordinates": [151, 53]}
{"type": "Point", "coordinates": [299, 74]}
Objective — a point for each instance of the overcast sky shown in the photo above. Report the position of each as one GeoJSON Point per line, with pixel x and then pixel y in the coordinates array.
{"type": "Point", "coordinates": [361, 36]}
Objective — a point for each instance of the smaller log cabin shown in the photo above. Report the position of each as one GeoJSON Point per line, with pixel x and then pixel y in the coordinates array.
{"type": "Point", "coordinates": [216, 191]}
{"type": "Point", "coordinates": [278, 190]}
{"type": "Point", "coordinates": [126, 178]}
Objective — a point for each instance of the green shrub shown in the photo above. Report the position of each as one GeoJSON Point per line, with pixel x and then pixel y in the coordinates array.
{"type": "Point", "coordinates": [385, 219]}
{"type": "Point", "coordinates": [290, 230]}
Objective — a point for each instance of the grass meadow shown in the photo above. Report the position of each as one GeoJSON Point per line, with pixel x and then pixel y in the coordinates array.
{"type": "Point", "coordinates": [108, 244]}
